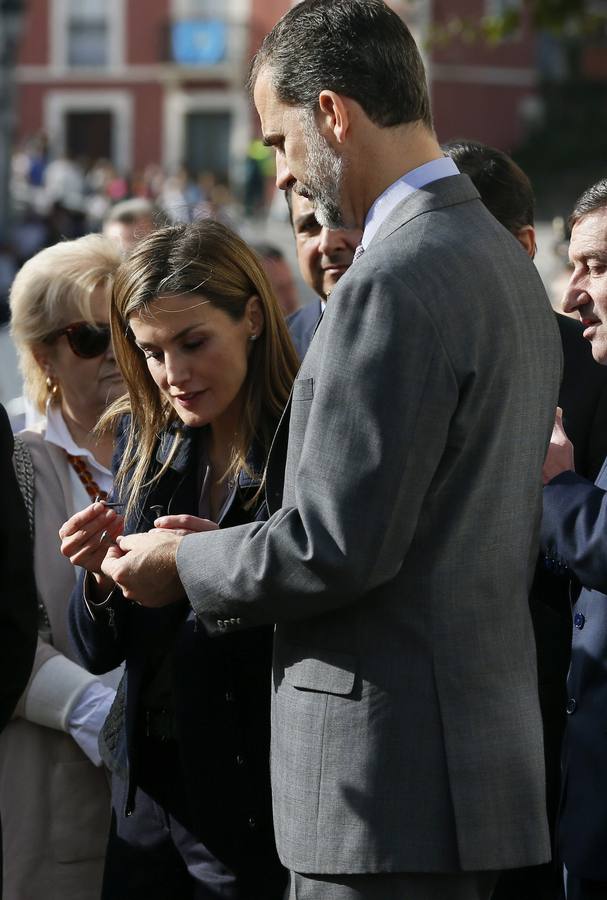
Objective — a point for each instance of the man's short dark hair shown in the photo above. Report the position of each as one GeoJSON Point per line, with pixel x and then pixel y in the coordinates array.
{"type": "Point", "coordinates": [358, 48]}
{"type": "Point", "coordinates": [504, 188]}
{"type": "Point", "coordinates": [593, 198]}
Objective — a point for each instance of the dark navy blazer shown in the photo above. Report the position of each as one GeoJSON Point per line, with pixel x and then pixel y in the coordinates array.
{"type": "Point", "coordinates": [221, 687]}
{"type": "Point", "coordinates": [574, 538]}
{"type": "Point", "coordinates": [302, 325]}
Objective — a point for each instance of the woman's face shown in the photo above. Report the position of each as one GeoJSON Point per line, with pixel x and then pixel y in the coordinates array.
{"type": "Point", "coordinates": [198, 355]}
{"type": "Point", "coordinates": [88, 386]}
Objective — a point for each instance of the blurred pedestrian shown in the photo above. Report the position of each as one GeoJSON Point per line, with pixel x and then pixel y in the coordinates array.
{"type": "Point", "coordinates": [280, 274]}
{"type": "Point", "coordinates": [129, 221]}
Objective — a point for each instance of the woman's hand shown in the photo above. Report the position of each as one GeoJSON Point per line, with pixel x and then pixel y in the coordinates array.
{"type": "Point", "coordinates": [86, 537]}
{"type": "Point", "coordinates": [183, 525]}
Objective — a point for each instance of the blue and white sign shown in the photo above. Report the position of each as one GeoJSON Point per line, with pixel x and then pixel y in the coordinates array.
{"type": "Point", "coordinates": [196, 43]}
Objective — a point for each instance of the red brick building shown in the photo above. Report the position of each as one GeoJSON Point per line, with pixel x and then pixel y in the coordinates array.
{"type": "Point", "coordinates": [160, 81]}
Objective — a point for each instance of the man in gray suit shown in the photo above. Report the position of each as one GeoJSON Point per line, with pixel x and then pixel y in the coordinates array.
{"type": "Point", "coordinates": [404, 488]}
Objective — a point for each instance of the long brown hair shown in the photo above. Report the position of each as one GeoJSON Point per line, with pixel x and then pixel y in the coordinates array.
{"type": "Point", "coordinates": [205, 259]}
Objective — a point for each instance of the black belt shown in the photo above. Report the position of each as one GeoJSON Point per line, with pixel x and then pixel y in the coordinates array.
{"type": "Point", "coordinates": [159, 724]}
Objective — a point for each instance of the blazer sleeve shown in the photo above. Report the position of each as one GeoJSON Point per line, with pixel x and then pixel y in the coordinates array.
{"type": "Point", "coordinates": [98, 631]}
{"type": "Point", "coordinates": [368, 455]}
{"type": "Point", "coordinates": [18, 602]}
{"type": "Point", "coordinates": [574, 529]}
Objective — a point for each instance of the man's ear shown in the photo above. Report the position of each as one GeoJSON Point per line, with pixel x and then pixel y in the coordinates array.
{"type": "Point", "coordinates": [334, 114]}
{"type": "Point", "coordinates": [526, 237]}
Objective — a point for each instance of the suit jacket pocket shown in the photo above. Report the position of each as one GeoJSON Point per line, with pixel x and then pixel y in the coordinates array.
{"type": "Point", "coordinates": [323, 671]}
{"type": "Point", "coordinates": [303, 389]}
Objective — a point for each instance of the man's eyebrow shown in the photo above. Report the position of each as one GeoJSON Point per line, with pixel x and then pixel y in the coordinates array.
{"type": "Point", "coordinates": [270, 140]}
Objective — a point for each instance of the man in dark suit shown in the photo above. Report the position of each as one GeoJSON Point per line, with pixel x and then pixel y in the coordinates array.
{"type": "Point", "coordinates": [18, 603]}
{"type": "Point", "coordinates": [507, 193]}
{"type": "Point", "coordinates": [323, 255]}
{"type": "Point", "coordinates": [573, 536]}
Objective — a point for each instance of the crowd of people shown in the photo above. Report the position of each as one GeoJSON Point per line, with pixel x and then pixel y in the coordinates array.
{"type": "Point", "coordinates": [283, 574]}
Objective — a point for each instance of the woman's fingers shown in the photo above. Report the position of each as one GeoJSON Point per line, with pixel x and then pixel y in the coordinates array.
{"type": "Point", "coordinates": [185, 524]}
{"type": "Point", "coordinates": [84, 545]}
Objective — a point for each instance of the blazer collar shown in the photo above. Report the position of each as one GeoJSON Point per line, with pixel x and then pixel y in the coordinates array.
{"type": "Point", "coordinates": [188, 451]}
{"type": "Point", "coordinates": [437, 195]}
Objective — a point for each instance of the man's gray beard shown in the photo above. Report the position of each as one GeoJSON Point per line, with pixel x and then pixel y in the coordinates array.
{"type": "Point", "coordinates": [324, 176]}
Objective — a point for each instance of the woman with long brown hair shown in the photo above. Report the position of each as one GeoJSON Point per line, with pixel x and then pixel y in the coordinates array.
{"type": "Point", "coordinates": [208, 365]}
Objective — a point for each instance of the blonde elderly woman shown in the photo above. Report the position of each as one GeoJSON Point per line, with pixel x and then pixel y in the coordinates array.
{"type": "Point", "coordinates": [54, 796]}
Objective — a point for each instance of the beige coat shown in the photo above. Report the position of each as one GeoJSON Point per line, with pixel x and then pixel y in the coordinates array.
{"type": "Point", "coordinates": [54, 804]}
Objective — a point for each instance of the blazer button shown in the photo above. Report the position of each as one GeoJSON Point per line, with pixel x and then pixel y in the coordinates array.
{"type": "Point", "coordinates": [579, 620]}
{"type": "Point", "coordinates": [240, 760]}
{"type": "Point", "coordinates": [230, 698]}
{"type": "Point", "coordinates": [571, 706]}
{"type": "Point", "coordinates": [252, 823]}
{"type": "Point", "coordinates": [221, 623]}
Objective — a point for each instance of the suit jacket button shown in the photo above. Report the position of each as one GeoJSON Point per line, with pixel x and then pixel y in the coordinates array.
{"type": "Point", "coordinates": [579, 620]}
{"type": "Point", "coordinates": [571, 706]}
{"type": "Point", "coordinates": [230, 697]}
{"type": "Point", "coordinates": [240, 760]}
{"type": "Point", "coordinates": [252, 823]}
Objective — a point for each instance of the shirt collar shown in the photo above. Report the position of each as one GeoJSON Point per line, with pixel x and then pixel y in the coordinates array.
{"type": "Point", "coordinates": [56, 432]}
{"type": "Point", "coordinates": [396, 192]}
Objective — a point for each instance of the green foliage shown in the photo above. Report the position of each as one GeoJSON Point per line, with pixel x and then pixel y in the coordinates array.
{"type": "Point", "coordinates": [569, 18]}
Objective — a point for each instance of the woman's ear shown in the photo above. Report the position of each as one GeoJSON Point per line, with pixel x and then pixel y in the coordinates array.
{"type": "Point", "coordinates": [255, 317]}
{"type": "Point", "coordinates": [43, 355]}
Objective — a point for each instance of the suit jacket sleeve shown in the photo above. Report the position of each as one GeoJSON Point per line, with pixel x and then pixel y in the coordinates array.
{"type": "Point", "coordinates": [18, 604]}
{"type": "Point", "coordinates": [365, 458]}
{"type": "Point", "coordinates": [574, 528]}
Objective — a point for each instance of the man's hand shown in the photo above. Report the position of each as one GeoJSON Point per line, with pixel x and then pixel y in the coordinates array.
{"type": "Point", "coordinates": [560, 452]}
{"type": "Point", "coordinates": [144, 567]}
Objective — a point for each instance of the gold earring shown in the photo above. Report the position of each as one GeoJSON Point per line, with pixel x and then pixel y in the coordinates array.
{"type": "Point", "coordinates": [52, 386]}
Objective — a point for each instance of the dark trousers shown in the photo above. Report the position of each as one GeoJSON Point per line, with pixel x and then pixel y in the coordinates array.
{"type": "Point", "coordinates": [153, 854]}
{"type": "Point", "coordinates": [583, 889]}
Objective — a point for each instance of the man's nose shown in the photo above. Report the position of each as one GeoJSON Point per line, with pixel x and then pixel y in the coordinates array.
{"type": "Point", "coordinates": [284, 179]}
{"type": "Point", "coordinates": [574, 297]}
{"type": "Point", "coordinates": [331, 239]}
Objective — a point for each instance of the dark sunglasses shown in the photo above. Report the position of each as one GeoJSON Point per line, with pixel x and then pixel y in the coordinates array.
{"type": "Point", "coordinates": [85, 340]}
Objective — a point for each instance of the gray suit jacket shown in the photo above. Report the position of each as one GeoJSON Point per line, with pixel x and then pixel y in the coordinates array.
{"type": "Point", "coordinates": [397, 560]}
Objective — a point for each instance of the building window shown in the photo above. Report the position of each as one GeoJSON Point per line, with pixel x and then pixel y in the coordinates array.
{"type": "Point", "coordinates": [88, 31]}
{"type": "Point", "coordinates": [202, 9]}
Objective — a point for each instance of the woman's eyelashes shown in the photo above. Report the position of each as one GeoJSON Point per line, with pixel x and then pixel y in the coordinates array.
{"type": "Point", "coordinates": [187, 347]}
